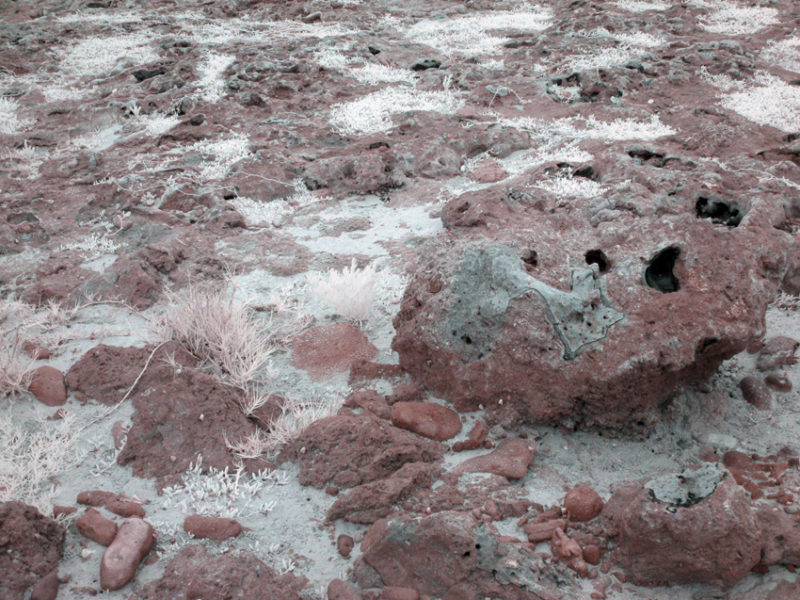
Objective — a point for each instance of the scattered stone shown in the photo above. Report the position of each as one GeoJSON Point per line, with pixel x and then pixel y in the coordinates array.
{"type": "Point", "coordinates": [341, 590]}
{"type": "Point", "coordinates": [47, 384]}
{"type": "Point", "coordinates": [425, 64]}
{"type": "Point", "coordinates": [777, 352]}
{"type": "Point", "coordinates": [583, 503]}
{"type": "Point", "coordinates": [47, 587]}
{"type": "Point", "coordinates": [430, 420]}
{"type": "Point", "coordinates": [475, 438]}
{"type": "Point", "coordinates": [399, 593]}
{"type": "Point", "coordinates": [134, 539]}
{"type": "Point", "coordinates": [344, 544]}
{"type": "Point", "coordinates": [778, 382]}
{"type": "Point", "coordinates": [756, 392]}
{"type": "Point", "coordinates": [96, 527]}
{"type": "Point", "coordinates": [510, 459]}
{"type": "Point", "coordinates": [538, 532]}
{"type": "Point", "coordinates": [30, 548]}
{"type": "Point", "coordinates": [569, 551]}
{"type": "Point", "coordinates": [211, 528]}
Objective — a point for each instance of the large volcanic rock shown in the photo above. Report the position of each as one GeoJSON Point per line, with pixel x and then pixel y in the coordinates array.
{"type": "Point", "coordinates": [30, 548]}
{"type": "Point", "coordinates": [575, 317]}
{"type": "Point", "coordinates": [696, 527]}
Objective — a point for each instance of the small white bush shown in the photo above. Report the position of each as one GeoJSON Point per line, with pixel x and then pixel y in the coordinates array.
{"type": "Point", "coordinates": [771, 102]}
{"type": "Point", "coordinates": [9, 120]}
{"type": "Point", "coordinates": [731, 19]}
{"type": "Point", "coordinates": [350, 292]}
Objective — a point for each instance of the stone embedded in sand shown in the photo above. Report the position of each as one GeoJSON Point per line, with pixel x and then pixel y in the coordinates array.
{"type": "Point", "coordinates": [47, 384]}
{"type": "Point", "coordinates": [96, 527]}
{"type": "Point", "coordinates": [210, 577]}
{"type": "Point", "coordinates": [47, 587]}
{"type": "Point", "coordinates": [696, 527]}
{"type": "Point", "coordinates": [427, 419]}
{"type": "Point", "coordinates": [341, 590]}
{"type": "Point", "coordinates": [569, 551]}
{"type": "Point", "coordinates": [777, 352]}
{"type": "Point", "coordinates": [344, 545]}
{"type": "Point", "coordinates": [487, 171]}
{"type": "Point", "coordinates": [30, 548]}
{"type": "Point", "coordinates": [542, 531]}
{"type": "Point", "coordinates": [756, 392]}
{"type": "Point", "coordinates": [326, 350]}
{"type": "Point", "coordinates": [492, 315]}
{"type": "Point", "coordinates": [583, 503]}
{"type": "Point", "coordinates": [778, 382]}
{"type": "Point", "coordinates": [510, 459]}
{"type": "Point", "coordinates": [475, 438]}
{"type": "Point", "coordinates": [399, 593]}
{"type": "Point", "coordinates": [116, 503]}
{"type": "Point", "coordinates": [211, 528]}
{"type": "Point", "coordinates": [134, 539]}
{"type": "Point", "coordinates": [347, 451]}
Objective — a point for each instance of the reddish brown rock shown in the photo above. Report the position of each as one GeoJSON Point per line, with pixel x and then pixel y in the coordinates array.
{"type": "Point", "coordinates": [341, 590]}
{"type": "Point", "coordinates": [347, 451]}
{"type": "Point", "coordinates": [211, 528]}
{"type": "Point", "coordinates": [510, 459]}
{"type": "Point", "coordinates": [30, 548]}
{"type": "Point", "coordinates": [427, 419]}
{"type": "Point", "coordinates": [583, 503]}
{"type": "Point", "coordinates": [201, 574]}
{"type": "Point", "coordinates": [569, 551]}
{"type": "Point", "coordinates": [371, 501]}
{"type": "Point", "coordinates": [542, 531]}
{"type": "Point", "coordinates": [134, 539]}
{"type": "Point", "coordinates": [487, 171]}
{"type": "Point", "coordinates": [591, 554]}
{"type": "Point", "coordinates": [475, 438]}
{"type": "Point", "coordinates": [59, 510]}
{"type": "Point", "coordinates": [563, 336]}
{"type": "Point", "coordinates": [756, 392]}
{"type": "Point", "coordinates": [96, 527]}
{"type": "Point", "coordinates": [95, 497]}
{"type": "Point", "coordinates": [778, 382]}
{"type": "Point", "coordinates": [777, 352]}
{"type": "Point", "coordinates": [329, 349]}
{"type": "Point", "coordinates": [47, 384]}
{"type": "Point", "coordinates": [46, 588]}
{"type": "Point", "coordinates": [399, 593]}
{"type": "Point", "coordinates": [698, 527]}
{"type": "Point", "coordinates": [125, 508]}
{"type": "Point", "coordinates": [344, 545]}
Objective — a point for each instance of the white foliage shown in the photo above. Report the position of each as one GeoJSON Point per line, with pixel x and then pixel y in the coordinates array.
{"type": "Point", "coordinates": [97, 56]}
{"type": "Point", "coordinates": [732, 19]}
{"type": "Point", "coordinates": [642, 5]}
{"type": "Point", "coordinates": [93, 245]}
{"type": "Point", "coordinates": [350, 292]}
{"type": "Point", "coordinates": [783, 53]}
{"type": "Point", "coordinates": [212, 86]}
{"type": "Point", "coordinates": [771, 102]}
{"type": "Point", "coordinates": [9, 120]}
{"type": "Point", "coordinates": [225, 152]}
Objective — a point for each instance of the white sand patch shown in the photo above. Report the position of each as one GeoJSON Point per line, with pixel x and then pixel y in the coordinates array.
{"type": "Point", "coordinates": [222, 155]}
{"type": "Point", "coordinates": [564, 186]}
{"type": "Point", "coordinates": [578, 128]}
{"type": "Point", "coordinates": [771, 102]}
{"type": "Point", "coordinates": [733, 19]}
{"type": "Point", "coordinates": [98, 56]}
{"type": "Point", "coordinates": [472, 35]}
{"type": "Point", "coordinates": [637, 6]}
{"type": "Point", "coordinates": [212, 86]}
{"type": "Point", "coordinates": [157, 124]}
{"type": "Point", "coordinates": [372, 113]}
{"type": "Point", "coordinates": [373, 74]}
{"type": "Point", "coordinates": [9, 119]}
{"type": "Point", "coordinates": [783, 53]}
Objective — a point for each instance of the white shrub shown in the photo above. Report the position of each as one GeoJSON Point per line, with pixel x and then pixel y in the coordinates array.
{"type": "Point", "coordinates": [350, 292]}
{"type": "Point", "coordinates": [731, 19]}
{"type": "Point", "coordinates": [770, 102]}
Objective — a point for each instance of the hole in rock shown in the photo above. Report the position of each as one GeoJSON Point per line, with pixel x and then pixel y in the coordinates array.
{"type": "Point", "coordinates": [531, 259]}
{"type": "Point", "coordinates": [599, 258]}
{"type": "Point", "coordinates": [718, 210]}
{"type": "Point", "coordinates": [658, 274]}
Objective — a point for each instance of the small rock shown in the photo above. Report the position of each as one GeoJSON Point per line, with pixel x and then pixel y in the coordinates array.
{"type": "Point", "coordinates": [118, 432]}
{"type": "Point", "coordinates": [510, 459]}
{"type": "Point", "coordinates": [35, 351]}
{"type": "Point", "coordinates": [756, 392]}
{"type": "Point", "coordinates": [211, 528]}
{"type": "Point", "coordinates": [344, 544]}
{"type": "Point", "coordinates": [591, 554]}
{"type": "Point", "coordinates": [475, 438]}
{"type": "Point", "coordinates": [399, 593]}
{"type": "Point", "coordinates": [134, 540]}
{"type": "Point", "coordinates": [487, 171]}
{"type": "Point", "coordinates": [125, 508]}
{"type": "Point", "coordinates": [583, 503]}
{"type": "Point", "coordinates": [59, 510]}
{"type": "Point", "coordinates": [47, 384]}
{"type": "Point", "coordinates": [47, 587]}
{"type": "Point", "coordinates": [96, 527]}
{"type": "Point", "coordinates": [569, 551]}
{"type": "Point", "coordinates": [341, 590]}
{"type": "Point", "coordinates": [429, 420]}
{"type": "Point", "coordinates": [778, 382]}
{"type": "Point", "coordinates": [543, 531]}
{"type": "Point", "coordinates": [777, 352]}
{"type": "Point", "coordinates": [425, 64]}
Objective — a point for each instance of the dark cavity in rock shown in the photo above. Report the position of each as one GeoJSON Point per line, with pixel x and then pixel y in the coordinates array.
{"type": "Point", "coordinates": [658, 274]}
{"type": "Point", "coordinates": [718, 210]}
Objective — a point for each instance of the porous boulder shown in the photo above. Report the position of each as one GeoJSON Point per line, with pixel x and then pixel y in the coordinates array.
{"type": "Point", "coordinates": [568, 323]}
{"type": "Point", "coordinates": [694, 527]}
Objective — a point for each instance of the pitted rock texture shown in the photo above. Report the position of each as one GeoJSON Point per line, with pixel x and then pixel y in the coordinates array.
{"type": "Point", "coordinates": [716, 539]}
{"type": "Point", "coordinates": [513, 304]}
{"type": "Point", "coordinates": [30, 548]}
{"type": "Point", "coordinates": [197, 573]}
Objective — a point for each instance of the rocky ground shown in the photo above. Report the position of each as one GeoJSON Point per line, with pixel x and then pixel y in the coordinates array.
{"type": "Point", "coordinates": [361, 299]}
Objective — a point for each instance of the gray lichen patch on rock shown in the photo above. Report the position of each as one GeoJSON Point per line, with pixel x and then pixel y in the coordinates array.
{"type": "Point", "coordinates": [490, 279]}
{"type": "Point", "coordinates": [688, 487]}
